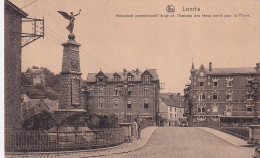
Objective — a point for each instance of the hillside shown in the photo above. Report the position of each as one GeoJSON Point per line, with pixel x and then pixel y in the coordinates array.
{"type": "Point", "coordinates": [40, 92]}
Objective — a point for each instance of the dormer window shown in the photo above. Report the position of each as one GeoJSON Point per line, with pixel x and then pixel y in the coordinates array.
{"type": "Point", "coordinates": [100, 79]}
{"type": "Point", "coordinates": [116, 78]}
{"type": "Point", "coordinates": [146, 78]}
{"type": "Point", "coordinates": [201, 84]}
{"type": "Point", "coordinates": [129, 78]}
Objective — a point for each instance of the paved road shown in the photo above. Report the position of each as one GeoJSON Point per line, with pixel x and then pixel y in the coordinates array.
{"type": "Point", "coordinates": [182, 142]}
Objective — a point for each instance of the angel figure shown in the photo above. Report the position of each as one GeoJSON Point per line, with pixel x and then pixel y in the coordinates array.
{"type": "Point", "coordinates": [71, 18]}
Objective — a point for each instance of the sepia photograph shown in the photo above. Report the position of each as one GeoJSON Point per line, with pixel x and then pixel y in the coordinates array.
{"type": "Point", "coordinates": [131, 79]}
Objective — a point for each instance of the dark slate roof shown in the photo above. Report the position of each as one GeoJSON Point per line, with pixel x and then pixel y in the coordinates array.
{"type": "Point", "coordinates": [136, 76]}
{"type": "Point", "coordinates": [11, 6]}
{"type": "Point", "coordinates": [168, 102]}
{"type": "Point", "coordinates": [225, 71]}
{"type": "Point", "coordinates": [231, 71]}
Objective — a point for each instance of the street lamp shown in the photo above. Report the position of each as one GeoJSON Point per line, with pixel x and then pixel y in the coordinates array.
{"type": "Point", "coordinates": [125, 92]}
{"type": "Point", "coordinates": [252, 94]}
{"type": "Point", "coordinates": [188, 101]}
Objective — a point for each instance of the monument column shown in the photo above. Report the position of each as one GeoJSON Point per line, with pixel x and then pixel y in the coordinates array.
{"type": "Point", "coordinates": [70, 101]}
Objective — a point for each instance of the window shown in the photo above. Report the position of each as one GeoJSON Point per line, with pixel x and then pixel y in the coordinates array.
{"type": "Point", "coordinates": [116, 91]}
{"type": "Point", "coordinates": [229, 97]}
{"type": "Point", "coordinates": [215, 96]}
{"type": "Point", "coordinates": [146, 78]}
{"type": "Point", "coordinates": [90, 91]}
{"type": "Point", "coordinates": [214, 109]}
{"type": "Point", "coordinates": [215, 84]}
{"type": "Point", "coordinates": [116, 78]}
{"type": "Point", "coordinates": [146, 104]}
{"type": "Point", "coordinates": [199, 109]}
{"type": "Point", "coordinates": [175, 116]}
{"type": "Point", "coordinates": [228, 109]}
{"type": "Point", "coordinates": [101, 91]}
{"type": "Point", "coordinates": [203, 110]}
{"type": "Point", "coordinates": [174, 109]}
{"type": "Point", "coordinates": [201, 84]}
{"type": "Point", "coordinates": [229, 82]}
{"type": "Point", "coordinates": [116, 105]}
{"type": "Point", "coordinates": [129, 78]}
{"type": "Point", "coordinates": [100, 104]}
{"type": "Point", "coordinates": [202, 96]}
{"type": "Point", "coordinates": [146, 91]}
{"type": "Point", "coordinates": [90, 105]}
{"type": "Point", "coordinates": [170, 109]}
{"type": "Point", "coordinates": [101, 79]}
{"type": "Point", "coordinates": [117, 116]}
{"type": "Point", "coordinates": [128, 118]}
{"type": "Point", "coordinates": [171, 116]}
{"type": "Point", "coordinates": [249, 109]}
{"type": "Point", "coordinates": [129, 104]}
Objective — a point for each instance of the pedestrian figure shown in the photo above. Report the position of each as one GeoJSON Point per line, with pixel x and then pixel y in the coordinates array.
{"type": "Point", "coordinates": [139, 128]}
{"type": "Point", "coordinates": [135, 129]}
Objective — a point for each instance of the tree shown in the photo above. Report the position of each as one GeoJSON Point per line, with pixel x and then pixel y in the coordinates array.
{"type": "Point", "coordinates": [26, 80]}
{"type": "Point", "coordinates": [39, 122]}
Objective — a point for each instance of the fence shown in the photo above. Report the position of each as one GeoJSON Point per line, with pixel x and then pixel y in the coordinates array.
{"type": "Point", "coordinates": [241, 132]}
{"type": "Point", "coordinates": [25, 141]}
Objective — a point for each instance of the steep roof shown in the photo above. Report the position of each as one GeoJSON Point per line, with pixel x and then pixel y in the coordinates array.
{"type": "Point", "coordinates": [136, 76]}
{"type": "Point", "coordinates": [13, 7]}
{"type": "Point", "coordinates": [226, 71]}
{"type": "Point", "coordinates": [229, 71]}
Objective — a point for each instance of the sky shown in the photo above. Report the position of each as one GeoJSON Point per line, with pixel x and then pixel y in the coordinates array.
{"type": "Point", "coordinates": [169, 45]}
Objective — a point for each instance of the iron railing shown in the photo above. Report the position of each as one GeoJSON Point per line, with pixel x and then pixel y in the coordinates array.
{"type": "Point", "coordinates": [35, 141]}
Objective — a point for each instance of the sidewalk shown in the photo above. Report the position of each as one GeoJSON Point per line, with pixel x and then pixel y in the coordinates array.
{"type": "Point", "coordinates": [227, 137]}
{"type": "Point", "coordinates": [124, 148]}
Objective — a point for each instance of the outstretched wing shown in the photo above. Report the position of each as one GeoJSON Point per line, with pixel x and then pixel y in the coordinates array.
{"type": "Point", "coordinates": [65, 15]}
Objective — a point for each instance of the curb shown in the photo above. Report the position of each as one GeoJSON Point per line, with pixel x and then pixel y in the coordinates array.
{"type": "Point", "coordinates": [230, 142]}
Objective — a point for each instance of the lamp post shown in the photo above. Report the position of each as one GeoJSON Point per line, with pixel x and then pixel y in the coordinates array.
{"type": "Point", "coordinates": [252, 94]}
{"type": "Point", "coordinates": [188, 101]}
{"type": "Point", "coordinates": [125, 92]}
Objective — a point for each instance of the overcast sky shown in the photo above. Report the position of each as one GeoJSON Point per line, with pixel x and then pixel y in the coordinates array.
{"type": "Point", "coordinates": [111, 44]}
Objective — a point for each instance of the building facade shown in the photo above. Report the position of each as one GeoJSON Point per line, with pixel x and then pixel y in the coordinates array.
{"type": "Point", "coordinates": [37, 75]}
{"type": "Point", "coordinates": [12, 64]}
{"type": "Point", "coordinates": [127, 94]}
{"type": "Point", "coordinates": [227, 95]}
{"type": "Point", "coordinates": [174, 108]}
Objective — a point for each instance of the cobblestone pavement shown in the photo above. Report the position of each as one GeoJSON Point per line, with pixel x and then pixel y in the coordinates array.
{"type": "Point", "coordinates": [182, 142]}
{"type": "Point", "coordinates": [172, 142]}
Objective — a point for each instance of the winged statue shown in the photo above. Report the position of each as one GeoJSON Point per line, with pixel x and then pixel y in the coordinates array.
{"type": "Point", "coordinates": [71, 18]}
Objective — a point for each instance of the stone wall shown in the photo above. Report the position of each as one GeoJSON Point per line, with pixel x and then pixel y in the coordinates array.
{"type": "Point", "coordinates": [12, 69]}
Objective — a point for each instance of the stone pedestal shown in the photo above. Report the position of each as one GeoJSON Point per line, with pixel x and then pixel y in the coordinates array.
{"type": "Point", "coordinates": [254, 134]}
{"type": "Point", "coordinates": [128, 131]}
{"type": "Point", "coordinates": [70, 101]}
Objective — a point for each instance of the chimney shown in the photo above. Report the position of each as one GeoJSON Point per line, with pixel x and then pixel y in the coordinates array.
{"type": "Point", "coordinates": [124, 72]}
{"type": "Point", "coordinates": [210, 66]}
{"type": "Point", "coordinates": [137, 71]}
{"type": "Point", "coordinates": [257, 65]}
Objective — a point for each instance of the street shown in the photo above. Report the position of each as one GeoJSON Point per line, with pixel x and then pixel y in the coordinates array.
{"type": "Point", "coordinates": [163, 142]}
{"type": "Point", "coordinates": [178, 142]}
